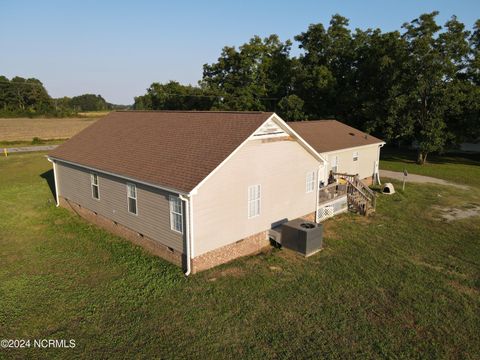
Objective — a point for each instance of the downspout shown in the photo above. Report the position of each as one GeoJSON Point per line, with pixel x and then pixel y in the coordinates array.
{"type": "Point", "coordinates": [187, 201]}
{"type": "Point", "coordinates": [55, 180]}
{"type": "Point", "coordinates": [316, 194]}
{"type": "Point", "coordinates": [378, 165]}
{"type": "Point", "coordinates": [317, 190]}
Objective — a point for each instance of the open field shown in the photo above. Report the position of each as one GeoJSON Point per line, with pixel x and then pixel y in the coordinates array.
{"type": "Point", "coordinates": [94, 114]}
{"type": "Point", "coordinates": [404, 283]}
{"type": "Point", "coordinates": [25, 129]}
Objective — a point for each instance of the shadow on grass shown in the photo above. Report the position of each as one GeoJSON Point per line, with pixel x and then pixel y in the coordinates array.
{"type": "Point", "coordinates": [48, 177]}
{"type": "Point", "coordinates": [410, 156]}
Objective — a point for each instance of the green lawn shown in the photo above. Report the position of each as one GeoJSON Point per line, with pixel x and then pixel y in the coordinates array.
{"type": "Point", "coordinates": [34, 142]}
{"type": "Point", "coordinates": [400, 284]}
{"type": "Point", "coordinates": [459, 168]}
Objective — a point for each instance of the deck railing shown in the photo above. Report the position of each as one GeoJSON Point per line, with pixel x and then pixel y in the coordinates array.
{"type": "Point", "coordinates": [331, 192]}
{"type": "Point", "coordinates": [355, 185]}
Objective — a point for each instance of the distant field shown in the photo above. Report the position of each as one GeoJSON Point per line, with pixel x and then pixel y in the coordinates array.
{"type": "Point", "coordinates": [96, 114]}
{"type": "Point", "coordinates": [25, 129]}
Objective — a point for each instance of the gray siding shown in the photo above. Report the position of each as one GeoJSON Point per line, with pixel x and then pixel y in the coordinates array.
{"type": "Point", "coordinates": [153, 219]}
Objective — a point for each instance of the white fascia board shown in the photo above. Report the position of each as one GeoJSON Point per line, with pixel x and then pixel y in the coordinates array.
{"type": "Point", "coordinates": [274, 117]}
{"type": "Point", "coordinates": [219, 166]}
{"type": "Point", "coordinates": [302, 142]}
{"type": "Point", "coordinates": [172, 190]}
{"type": "Point", "coordinates": [353, 148]}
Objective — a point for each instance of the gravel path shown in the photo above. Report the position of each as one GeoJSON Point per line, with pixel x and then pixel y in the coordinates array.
{"type": "Point", "coordinates": [413, 178]}
{"type": "Point", "coordinates": [29, 148]}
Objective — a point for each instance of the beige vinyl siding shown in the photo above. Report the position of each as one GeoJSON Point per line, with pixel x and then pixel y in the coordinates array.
{"type": "Point", "coordinates": [153, 210]}
{"type": "Point", "coordinates": [364, 166]}
{"type": "Point", "coordinates": [220, 210]}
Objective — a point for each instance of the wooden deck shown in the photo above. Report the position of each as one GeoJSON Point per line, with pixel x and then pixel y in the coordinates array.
{"type": "Point", "coordinates": [349, 193]}
{"type": "Point", "coordinates": [331, 192]}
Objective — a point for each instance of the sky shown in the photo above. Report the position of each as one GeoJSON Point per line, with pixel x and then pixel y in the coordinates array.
{"type": "Point", "coordinates": [118, 48]}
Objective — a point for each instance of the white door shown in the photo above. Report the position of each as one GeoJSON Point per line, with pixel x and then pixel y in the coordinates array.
{"type": "Point", "coordinates": [355, 161]}
{"type": "Point", "coordinates": [322, 175]}
{"type": "Point", "coordinates": [334, 164]}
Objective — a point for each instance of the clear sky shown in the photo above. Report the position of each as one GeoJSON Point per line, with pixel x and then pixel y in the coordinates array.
{"type": "Point", "coordinates": [118, 48]}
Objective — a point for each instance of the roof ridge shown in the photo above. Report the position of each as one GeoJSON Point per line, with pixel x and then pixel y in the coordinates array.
{"type": "Point", "coordinates": [311, 121]}
{"type": "Point", "coordinates": [196, 111]}
{"type": "Point", "coordinates": [325, 120]}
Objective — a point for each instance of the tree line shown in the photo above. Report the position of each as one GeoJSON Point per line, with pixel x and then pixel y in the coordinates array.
{"type": "Point", "coordinates": [28, 97]}
{"type": "Point", "coordinates": [416, 85]}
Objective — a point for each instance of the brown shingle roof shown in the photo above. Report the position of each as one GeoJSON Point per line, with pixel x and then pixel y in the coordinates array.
{"type": "Point", "coordinates": [172, 149]}
{"type": "Point", "coordinates": [331, 135]}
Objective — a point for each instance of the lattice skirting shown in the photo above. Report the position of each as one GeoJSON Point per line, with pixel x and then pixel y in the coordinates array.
{"type": "Point", "coordinates": [332, 208]}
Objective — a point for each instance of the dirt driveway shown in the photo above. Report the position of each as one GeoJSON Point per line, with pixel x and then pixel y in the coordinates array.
{"type": "Point", "coordinates": [413, 178]}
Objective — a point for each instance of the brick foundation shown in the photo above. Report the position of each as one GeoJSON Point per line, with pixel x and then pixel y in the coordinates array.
{"type": "Point", "coordinates": [368, 181]}
{"type": "Point", "coordinates": [309, 217]}
{"type": "Point", "coordinates": [248, 246]}
{"type": "Point", "coordinates": [152, 246]}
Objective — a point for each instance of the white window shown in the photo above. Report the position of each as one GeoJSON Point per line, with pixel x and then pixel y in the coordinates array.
{"type": "Point", "coordinates": [310, 181]}
{"type": "Point", "coordinates": [355, 155]}
{"type": "Point", "coordinates": [334, 164]}
{"type": "Point", "coordinates": [94, 183]}
{"type": "Point", "coordinates": [253, 201]}
{"type": "Point", "coordinates": [176, 214]}
{"type": "Point", "coordinates": [132, 198]}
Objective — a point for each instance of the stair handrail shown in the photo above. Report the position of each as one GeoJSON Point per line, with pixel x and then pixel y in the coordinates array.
{"type": "Point", "coordinates": [359, 186]}
{"type": "Point", "coordinates": [371, 193]}
{"type": "Point", "coordinates": [365, 196]}
{"type": "Point", "coordinates": [363, 186]}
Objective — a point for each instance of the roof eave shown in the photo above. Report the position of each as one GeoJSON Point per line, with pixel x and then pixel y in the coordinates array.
{"type": "Point", "coordinates": [353, 147]}
{"type": "Point", "coordinates": [157, 186]}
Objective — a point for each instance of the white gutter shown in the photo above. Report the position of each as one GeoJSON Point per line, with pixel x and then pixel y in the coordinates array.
{"type": "Point", "coordinates": [326, 153]}
{"type": "Point", "coordinates": [55, 180]}
{"type": "Point", "coordinates": [172, 190]}
{"type": "Point", "coordinates": [187, 201]}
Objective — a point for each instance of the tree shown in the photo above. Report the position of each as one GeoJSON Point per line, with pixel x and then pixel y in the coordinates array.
{"type": "Point", "coordinates": [425, 82]}
{"type": "Point", "coordinates": [291, 108]}
{"type": "Point", "coordinates": [462, 93]}
{"type": "Point", "coordinates": [24, 96]}
{"type": "Point", "coordinates": [4, 85]}
{"type": "Point", "coordinates": [88, 102]}
{"type": "Point", "coordinates": [326, 69]}
{"type": "Point", "coordinates": [377, 97]}
{"type": "Point", "coordinates": [473, 71]}
{"type": "Point", "coordinates": [174, 96]}
{"type": "Point", "coordinates": [254, 77]}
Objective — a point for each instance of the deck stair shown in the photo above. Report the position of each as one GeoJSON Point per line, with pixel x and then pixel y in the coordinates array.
{"type": "Point", "coordinates": [360, 197]}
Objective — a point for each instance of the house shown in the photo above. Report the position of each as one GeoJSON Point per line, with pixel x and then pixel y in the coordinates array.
{"type": "Point", "coordinates": [346, 149]}
{"type": "Point", "coordinates": [196, 188]}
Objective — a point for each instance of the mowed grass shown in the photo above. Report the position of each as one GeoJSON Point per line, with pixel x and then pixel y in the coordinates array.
{"type": "Point", "coordinates": [399, 284]}
{"type": "Point", "coordinates": [459, 168]}
{"type": "Point", "coordinates": [25, 129]}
